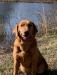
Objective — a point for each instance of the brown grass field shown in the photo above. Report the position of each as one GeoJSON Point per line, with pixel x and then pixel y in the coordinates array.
{"type": "Point", "coordinates": [47, 46]}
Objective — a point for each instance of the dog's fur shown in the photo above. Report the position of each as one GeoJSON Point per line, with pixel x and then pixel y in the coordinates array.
{"type": "Point", "coordinates": [27, 58]}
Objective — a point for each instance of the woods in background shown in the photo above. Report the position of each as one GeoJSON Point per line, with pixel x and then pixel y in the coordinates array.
{"type": "Point", "coordinates": [43, 15]}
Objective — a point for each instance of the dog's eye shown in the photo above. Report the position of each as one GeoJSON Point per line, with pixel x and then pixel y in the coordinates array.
{"type": "Point", "coordinates": [22, 25]}
{"type": "Point", "coordinates": [29, 25]}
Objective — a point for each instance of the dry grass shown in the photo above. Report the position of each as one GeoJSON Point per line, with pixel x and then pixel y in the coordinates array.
{"type": "Point", "coordinates": [6, 63]}
{"type": "Point", "coordinates": [47, 46]}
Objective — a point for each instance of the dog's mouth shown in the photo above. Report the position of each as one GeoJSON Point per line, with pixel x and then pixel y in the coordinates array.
{"type": "Point", "coordinates": [24, 38]}
{"type": "Point", "coordinates": [26, 35]}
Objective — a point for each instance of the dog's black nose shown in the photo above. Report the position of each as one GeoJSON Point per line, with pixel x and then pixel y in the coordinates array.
{"type": "Point", "coordinates": [26, 33]}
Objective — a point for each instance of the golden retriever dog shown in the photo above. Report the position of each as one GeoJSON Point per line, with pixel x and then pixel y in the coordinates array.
{"type": "Point", "coordinates": [27, 58]}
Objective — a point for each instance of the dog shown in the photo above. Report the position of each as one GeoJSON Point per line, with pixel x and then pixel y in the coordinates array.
{"type": "Point", "coordinates": [26, 56]}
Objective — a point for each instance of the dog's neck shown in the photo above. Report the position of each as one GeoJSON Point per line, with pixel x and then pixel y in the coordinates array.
{"type": "Point", "coordinates": [25, 45]}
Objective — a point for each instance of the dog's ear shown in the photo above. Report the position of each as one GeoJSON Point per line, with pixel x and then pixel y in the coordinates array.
{"type": "Point", "coordinates": [35, 29]}
{"type": "Point", "coordinates": [15, 30]}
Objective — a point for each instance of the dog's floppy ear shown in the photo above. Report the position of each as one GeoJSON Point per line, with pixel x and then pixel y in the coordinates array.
{"type": "Point", "coordinates": [15, 30]}
{"type": "Point", "coordinates": [35, 29]}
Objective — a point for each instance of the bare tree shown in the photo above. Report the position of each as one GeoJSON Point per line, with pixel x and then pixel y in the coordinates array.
{"type": "Point", "coordinates": [44, 24]}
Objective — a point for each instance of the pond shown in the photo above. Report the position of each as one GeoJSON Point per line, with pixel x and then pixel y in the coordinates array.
{"type": "Point", "coordinates": [39, 13]}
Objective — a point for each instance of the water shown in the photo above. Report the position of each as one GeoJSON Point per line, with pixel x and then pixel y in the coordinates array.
{"type": "Point", "coordinates": [14, 12]}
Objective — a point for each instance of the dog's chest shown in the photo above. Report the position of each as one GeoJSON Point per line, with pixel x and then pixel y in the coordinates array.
{"type": "Point", "coordinates": [27, 58]}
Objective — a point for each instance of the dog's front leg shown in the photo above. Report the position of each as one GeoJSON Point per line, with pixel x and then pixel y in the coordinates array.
{"type": "Point", "coordinates": [16, 67]}
{"type": "Point", "coordinates": [17, 59]}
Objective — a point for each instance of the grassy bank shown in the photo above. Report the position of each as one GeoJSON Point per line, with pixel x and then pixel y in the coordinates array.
{"type": "Point", "coordinates": [47, 46]}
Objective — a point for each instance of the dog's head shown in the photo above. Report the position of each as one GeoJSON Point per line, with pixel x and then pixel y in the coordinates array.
{"type": "Point", "coordinates": [25, 29]}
